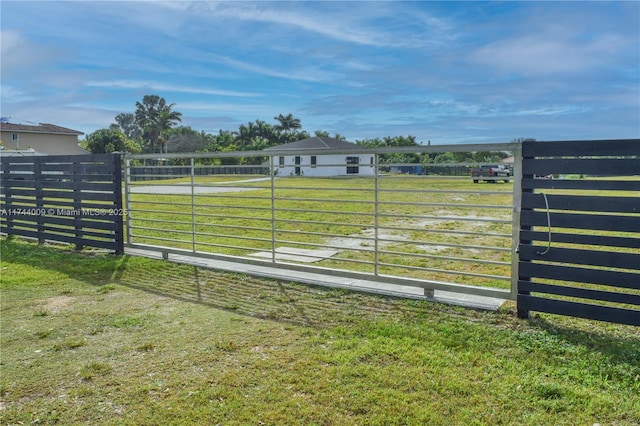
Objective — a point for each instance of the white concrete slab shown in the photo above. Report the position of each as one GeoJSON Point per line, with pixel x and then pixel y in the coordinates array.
{"type": "Point", "coordinates": [325, 280]}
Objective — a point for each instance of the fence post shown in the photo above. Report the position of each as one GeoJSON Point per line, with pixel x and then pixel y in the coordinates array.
{"type": "Point", "coordinates": [38, 186]}
{"type": "Point", "coordinates": [78, 216]}
{"type": "Point", "coordinates": [8, 189]}
{"type": "Point", "coordinates": [524, 313]}
{"type": "Point", "coordinates": [118, 210]}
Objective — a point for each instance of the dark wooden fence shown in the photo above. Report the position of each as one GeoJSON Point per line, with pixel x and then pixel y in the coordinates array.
{"type": "Point", "coordinates": [74, 199]}
{"type": "Point", "coordinates": [580, 230]}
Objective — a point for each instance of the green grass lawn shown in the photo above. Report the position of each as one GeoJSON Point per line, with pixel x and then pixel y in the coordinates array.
{"type": "Point", "coordinates": [92, 338]}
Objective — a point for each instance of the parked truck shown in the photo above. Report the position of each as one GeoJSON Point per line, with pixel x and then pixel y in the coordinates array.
{"type": "Point", "coordinates": [491, 173]}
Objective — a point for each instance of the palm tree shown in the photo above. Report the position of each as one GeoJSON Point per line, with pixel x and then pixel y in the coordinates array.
{"type": "Point", "coordinates": [243, 136]}
{"type": "Point", "coordinates": [155, 117]}
{"type": "Point", "coordinates": [166, 119]}
{"type": "Point", "coordinates": [267, 132]}
{"type": "Point", "coordinates": [287, 123]}
{"type": "Point", "coordinates": [126, 124]}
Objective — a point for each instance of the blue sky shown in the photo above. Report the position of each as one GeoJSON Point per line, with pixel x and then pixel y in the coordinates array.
{"type": "Point", "coordinates": [449, 72]}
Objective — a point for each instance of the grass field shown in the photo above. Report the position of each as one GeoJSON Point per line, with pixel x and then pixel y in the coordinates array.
{"type": "Point", "coordinates": [91, 338]}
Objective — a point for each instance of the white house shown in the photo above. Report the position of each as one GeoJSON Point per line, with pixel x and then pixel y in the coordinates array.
{"type": "Point", "coordinates": [322, 156]}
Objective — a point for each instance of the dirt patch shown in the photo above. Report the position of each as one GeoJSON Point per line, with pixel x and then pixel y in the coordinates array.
{"type": "Point", "coordinates": [58, 303]}
{"type": "Point", "coordinates": [363, 240]}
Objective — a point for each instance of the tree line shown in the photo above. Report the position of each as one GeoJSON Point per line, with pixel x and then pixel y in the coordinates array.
{"type": "Point", "coordinates": [153, 128]}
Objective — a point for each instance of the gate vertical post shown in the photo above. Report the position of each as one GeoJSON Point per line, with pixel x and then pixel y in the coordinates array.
{"type": "Point", "coordinates": [377, 213]}
{"type": "Point", "coordinates": [193, 205]}
{"type": "Point", "coordinates": [272, 172]}
{"type": "Point", "coordinates": [127, 197]}
{"type": "Point", "coordinates": [515, 221]}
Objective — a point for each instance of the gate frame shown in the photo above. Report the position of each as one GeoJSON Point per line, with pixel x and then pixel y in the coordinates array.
{"type": "Point", "coordinates": [428, 285]}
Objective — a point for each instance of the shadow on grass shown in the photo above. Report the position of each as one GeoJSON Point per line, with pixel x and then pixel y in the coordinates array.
{"type": "Point", "coordinates": [244, 295]}
{"type": "Point", "coordinates": [578, 332]}
{"type": "Point", "coordinates": [290, 302]}
{"type": "Point", "coordinates": [91, 266]}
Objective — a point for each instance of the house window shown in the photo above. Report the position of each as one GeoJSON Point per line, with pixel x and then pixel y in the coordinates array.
{"type": "Point", "coordinates": [313, 161]}
{"type": "Point", "coordinates": [281, 161]}
{"type": "Point", "coordinates": [14, 136]}
{"type": "Point", "coordinates": [353, 170]}
{"type": "Point", "coordinates": [297, 169]}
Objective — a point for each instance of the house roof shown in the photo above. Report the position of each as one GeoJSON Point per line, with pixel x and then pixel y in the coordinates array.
{"type": "Point", "coordinates": [315, 143]}
{"type": "Point", "coordinates": [40, 128]}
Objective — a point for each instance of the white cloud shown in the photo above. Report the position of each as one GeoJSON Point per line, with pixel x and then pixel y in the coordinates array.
{"type": "Point", "coordinates": [149, 85]}
{"type": "Point", "coordinates": [14, 94]}
{"type": "Point", "coordinates": [248, 110]}
{"type": "Point", "coordinates": [20, 55]}
{"type": "Point", "coordinates": [302, 73]}
{"type": "Point", "coordinates": [550, 50]}
{"type": "Point", "coordinates": [10, 40]}
{"type": "Point", "coordinates": [361, 23]}
{"type": "Point", "coordinates": [312, 22]}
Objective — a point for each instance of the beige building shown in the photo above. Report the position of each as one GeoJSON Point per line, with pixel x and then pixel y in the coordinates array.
{"type": "Point", "coordinates": [43, 139]}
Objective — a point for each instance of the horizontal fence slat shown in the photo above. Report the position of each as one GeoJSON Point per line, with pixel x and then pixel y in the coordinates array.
{"type": "Point", "coordinates": [80, 233]}
{"type": "Point", "coordinates": [31, 203]}
{"type": "Point", "coordinates": [63, 158]}
{"type": "Point", "coordinates": [580, 310]}
{"type": "Point", "coordinates": [30, 177]}
{"type": "Point", "coordinates": [60, 207]}
{"type": "Point", "coordinates": [598, 167]}
{"type": "Point", "coordinates": [595, 240]}
{"type": "Point", "coordinates": [50, 230]}
{"type": "Point", "coordinates": [77, 168]}
{"type": "Point", "coordinates": [581, 257]}
{"type": "Point", "coordinates": [583, 275]}
{"type": "Point", "coordinates": [97, 222]}
{"type": "Point", "coordinates": [582, 203]}
{"type": "Point", "coordinates": [606, 147]}
{"type": "Point", "coordinates": [46, 183]}
{"type": "Point", "coordinates": [104, 244]}
{"type": "Point", "coordinates": [61, 169]}
{"type": "Point", "coordinates": [17, 169]}
{"type": "Point", "coordinates": [582, 184]}
{"type": "Point", "coordinates": [45, 194]}
{"type": "Point", "coordinates": [577, 292]}
{"type": "Point", "coordinates": [599, 222]}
